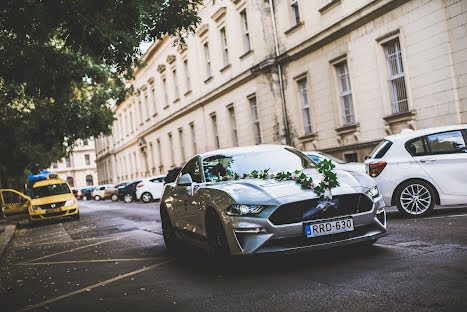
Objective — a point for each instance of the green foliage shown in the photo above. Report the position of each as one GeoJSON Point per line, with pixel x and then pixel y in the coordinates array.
{"type": "Point", "coordinates": [322, 189]}
{"type": "Point", "coordinates": [64, 63]}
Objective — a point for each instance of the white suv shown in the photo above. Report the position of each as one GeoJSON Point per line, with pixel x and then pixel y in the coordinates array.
{"type": "Point", "coordinates": [150, 189]}
{"type": "Point", "coordinates": [417, 169]}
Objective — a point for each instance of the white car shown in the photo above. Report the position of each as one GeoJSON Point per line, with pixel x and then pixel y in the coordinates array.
{"type": "Point", "coordinates": [340, 164]}
{"type": "Point", "coordinates": [417, 169]}
{"type": "Point", "coordinates": [150, 189]}
{"type": "Point", "coordinates": [99, 191]}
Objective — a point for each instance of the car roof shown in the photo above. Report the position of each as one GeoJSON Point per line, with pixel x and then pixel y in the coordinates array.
{"type": "Point", "coordinates": [48, 182]}
{"type": "Point", "coordinates": [407, 134]}
{"type": "Point", "coordinates": [245, 149]}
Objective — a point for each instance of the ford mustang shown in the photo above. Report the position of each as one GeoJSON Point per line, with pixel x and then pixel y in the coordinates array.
{"type": "Point", "coordinates": [220, 201]}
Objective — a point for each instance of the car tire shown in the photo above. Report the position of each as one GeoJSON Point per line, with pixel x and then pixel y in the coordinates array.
{"type": "Point", "coordinates": [114, 197]}
{"type": "Point", "coordinates": [146, 197]}
{"type": "Point", "coordinates": [97, 197]}
{"type": "Point", "coordinates": [217, 240]}
{"type": "Point", "coordinates": [85, 197]}
{"type": "Point", "coordinates": [128, 198]}
{"type": "Point", "coordinates": [415, 198]}
{"type": "Point", "coordinates": [168, 232]}
{"type": "Point", "coordinates": [76, 216]}
{"type": "Point", "coordinates": [31, 223]}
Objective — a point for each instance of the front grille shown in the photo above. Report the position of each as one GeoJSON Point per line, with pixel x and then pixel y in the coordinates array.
{"type": "Point", "coordinates": [302, 241]}
{"type": "Point", "coordinates": [307, 210]}
{"type": "Point", "coordinates": [49, 206]}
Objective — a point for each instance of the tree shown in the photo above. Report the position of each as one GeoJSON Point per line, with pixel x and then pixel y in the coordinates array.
{"type": "Point", "coordinates": [63, 62]}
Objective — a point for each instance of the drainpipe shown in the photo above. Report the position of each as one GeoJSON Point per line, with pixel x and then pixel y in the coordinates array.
{"type": "Point", "coordinates": [279, 70]}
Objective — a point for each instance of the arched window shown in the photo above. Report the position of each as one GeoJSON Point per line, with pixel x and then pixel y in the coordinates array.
{"type": "Point", "coordinates": [89, 180]}
{"type": "Point", "coordinates": [70, 181]}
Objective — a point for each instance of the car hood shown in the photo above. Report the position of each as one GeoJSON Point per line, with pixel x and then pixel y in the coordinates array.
{"type": "Point", "coordinates": [52, 199]}
{"type": "Point", "coordinates": [257, 191]}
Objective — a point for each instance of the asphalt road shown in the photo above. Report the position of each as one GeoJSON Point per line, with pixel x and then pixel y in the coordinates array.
{"type": "Point", "coordinates": [114, 259]}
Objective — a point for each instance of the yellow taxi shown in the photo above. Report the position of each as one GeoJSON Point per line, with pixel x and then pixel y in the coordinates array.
{"type": "Point", "coordinates": [50, 198]}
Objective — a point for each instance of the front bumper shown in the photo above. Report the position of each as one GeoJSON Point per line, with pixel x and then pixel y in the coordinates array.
{"type": "Point", "coordinates": [250, 235]}
{"type": "Point", "coordinates": [43, 214]}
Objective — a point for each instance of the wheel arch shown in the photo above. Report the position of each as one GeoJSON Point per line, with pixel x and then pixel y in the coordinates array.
{"type": "Point", "coordinates": [394, 200]}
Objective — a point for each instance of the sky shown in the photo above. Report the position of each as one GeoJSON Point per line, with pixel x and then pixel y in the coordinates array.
{"type": "Point", "coordinates": [144, 46]}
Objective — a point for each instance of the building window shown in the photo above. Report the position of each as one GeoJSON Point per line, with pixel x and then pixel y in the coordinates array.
{"type": "Point", "coordinates": [159, 154]}
{"type": "Point", "coordinates": [345, 93]}
{"type": "Point", "coordinates": [256, 125]}
{"type": "Point", "coordinates": [182, 148]}
{"type": "Point", "coordinates": [55, 165]}
{"type": "Point", "coordinates": [153, 94]}
{"type": "Point", "coordinates": [234, 126]}
{"type": "Point", "coordinates": [67, 162]}
{"type": "Point", "coordinates": [306, 108]}
{"type": "Point", "coordinates": [208, 60]}
{"type": "Point", "coordinates": [214, 128]}
{"type": "Point", "coordinates": [193, 137]}
{"type": "Point", "coordinates": [176, 91]}
{"type": "Point", "coordinates": [396, 76]}
{"type": "Point", "coordinates": [295, 12]}
{"type": "Point", "coordinates": [246, 33]}
{"type": "Point", "coordinates": [171, 149]}
{"type": "Point", "coordinates": [352, 157]}
{"type": "Point", "coordinates": [164, 87]}
{"type": "Point", "coordinates": [87, 160]}
{"type": "Point", "coordinates": [187, 76]}
{"type": "Point", "coordinates": [132, 124]}
{"type": "Point", "coordinates": [225, 47]}
{"type": "Point", "coordinates": [85, 142]}
{"type": "Point", "coordinates": [70, 181]}
{"type": "Point", "coordinates": [89, 180]}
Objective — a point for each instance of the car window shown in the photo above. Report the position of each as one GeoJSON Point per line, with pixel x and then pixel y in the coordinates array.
{"type": "Point", "coordinates": [381, 149]}
{"type": "Point", "coordinates": [315, 158]}
{"type": "Point", "coordinates": [50, 190]}
{"type": "Point", "coordinates": [157, 180]}
{"type": "Point", "coordinates": [192, 168]}
{"type": "Point", "coordinates": [417, 147]}
{"type": "Point", "coordinates": [447, 142]}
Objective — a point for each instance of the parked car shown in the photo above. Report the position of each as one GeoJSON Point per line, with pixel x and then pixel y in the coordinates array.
{"type": "Point", "coordinates": [99, 192]}
{"type": "Point", "coordinates": [86, 193]}
{"type": "Point", "coordinates": [150, 189]}
{"type": "Point", "coordinates": [50, 198]}
{"type": "Point", "coordinates": [417, 169]}
{"type": "Point", "coordinates": [253, 216]}
{"type": "Point", "coordinates": [340, 164]}
{"type": "Point", "coordinates": [127, 193]}
{"type": "Point", "coordinates": [112, 191]}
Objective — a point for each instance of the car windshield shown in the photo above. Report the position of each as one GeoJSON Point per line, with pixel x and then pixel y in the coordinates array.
{"type": "Point", "coordinates": [50, 190]}
{"type": "Point", "coordinates": [334, 159]}
{"type": "Point", "coordinates": [241, 163]}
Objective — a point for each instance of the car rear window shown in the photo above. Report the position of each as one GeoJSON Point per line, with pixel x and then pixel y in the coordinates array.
{"type": "Point", "coordinates": [417, 147]}
{"type": "Point", "coordinates": [381, 149]}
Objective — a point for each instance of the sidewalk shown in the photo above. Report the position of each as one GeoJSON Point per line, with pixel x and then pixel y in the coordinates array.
{"type": "Point", "coordinates": [7, 230]}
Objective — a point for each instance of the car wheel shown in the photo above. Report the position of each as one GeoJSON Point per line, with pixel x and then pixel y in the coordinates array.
{"type": "Point", "coordinates": [146, 197]}
{"type": "Point", "coordinates": [168, 232]}
{"type": "Point", "coordinates": [76, 216]}
{"type": "Point", "coordinates": [97, 197]}
{"type": "Point", "coordinates": [114, 197]}
{"type": "Point", "coordinates": [415, 198]}
{"type": "Point", "coordinates": [128, 198]}
{"type": "Point", "coordinates": [217, 240]}
{"type": "Point", "coordinates": [85, 197]}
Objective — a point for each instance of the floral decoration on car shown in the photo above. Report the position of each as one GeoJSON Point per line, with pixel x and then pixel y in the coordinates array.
{"type": "Point", "coordinates": [321, 189]}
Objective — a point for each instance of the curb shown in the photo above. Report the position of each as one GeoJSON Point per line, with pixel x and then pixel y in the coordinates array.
{"type": "Point", "coordinates": [6, 236]}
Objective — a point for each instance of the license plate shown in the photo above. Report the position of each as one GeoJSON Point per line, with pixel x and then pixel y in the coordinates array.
{"type": "Point", "coordinates": [52, 210]}
{"type": "Point", "coordinates": [329, 226]}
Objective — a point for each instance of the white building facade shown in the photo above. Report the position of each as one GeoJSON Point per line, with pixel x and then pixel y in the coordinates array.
{"type": "Point", "coordinates": [79, 168]}
{"type": "Point", "coordinates": [335, 76]}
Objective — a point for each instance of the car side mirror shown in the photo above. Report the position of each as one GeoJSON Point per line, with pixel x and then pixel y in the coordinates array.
{"type": "Point", "coordinates": [185, 180]}
{"type": "Point", "coordinates": [367, 157]}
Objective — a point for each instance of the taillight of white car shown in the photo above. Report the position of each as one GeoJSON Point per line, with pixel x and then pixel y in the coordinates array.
{"type": "Point", "coordinates": [375, 169]}
{"type": "Point", "coordinates": [140, 185]}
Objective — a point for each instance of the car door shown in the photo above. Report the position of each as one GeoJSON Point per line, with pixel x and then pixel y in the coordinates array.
{"type": "Point", "coordinates": [15, 205]}
{"type": "Point", "coordinates": [446, 161]}
{"type": "Point", "coordinates": [156, 187]}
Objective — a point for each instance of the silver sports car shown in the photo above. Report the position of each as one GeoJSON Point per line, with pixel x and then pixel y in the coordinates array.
{"type": "Point", "coordinates": [245, 215]}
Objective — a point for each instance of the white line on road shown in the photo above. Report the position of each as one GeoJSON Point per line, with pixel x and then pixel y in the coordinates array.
{"type": "Point", "coordinates": [85, 261]}
{"type": "Point", "coordinates": [43, 303]}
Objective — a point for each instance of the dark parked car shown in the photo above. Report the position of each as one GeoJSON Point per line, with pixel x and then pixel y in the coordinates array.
{"type": "Point", "coordinates": [86, 192]}
{"type": "Point", "coordinates": [127, 193]}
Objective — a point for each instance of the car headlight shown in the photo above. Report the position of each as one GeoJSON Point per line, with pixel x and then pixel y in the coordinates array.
{"type": "Point", "coordinates": [241, 210]}
{"type": "Point", "coordinates": [70, 202]}
{"type": "Point", "coordinates": [36, 207]}
{"type": "Point", "coordinates": [373, 192]}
